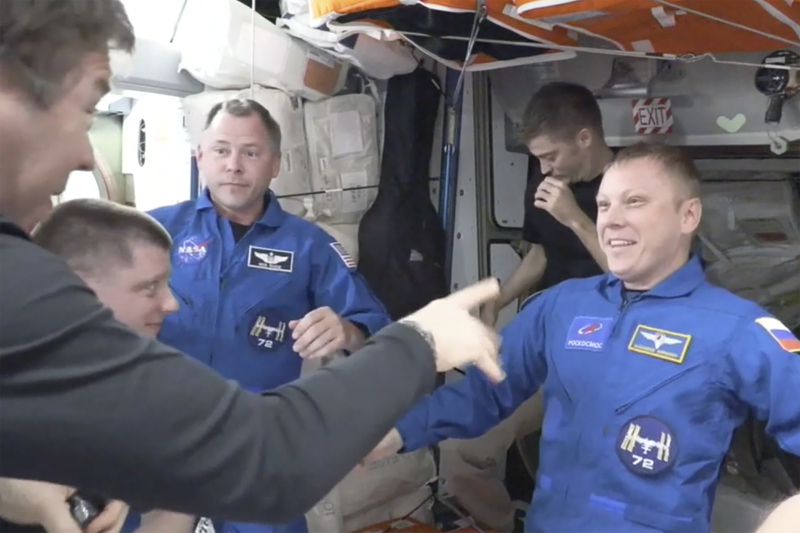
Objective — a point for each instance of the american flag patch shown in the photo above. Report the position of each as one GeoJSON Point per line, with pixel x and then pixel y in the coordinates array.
{"type": "Point", "coordinates": [782, 335]}
{"type": "Point", "coordinates": [347, 259]}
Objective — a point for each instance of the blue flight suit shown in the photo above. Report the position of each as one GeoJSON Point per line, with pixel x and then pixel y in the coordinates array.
{"type": "Point", "coordinates": [641, 399]}
{"type": "Point", "coordinates": [237, 298]}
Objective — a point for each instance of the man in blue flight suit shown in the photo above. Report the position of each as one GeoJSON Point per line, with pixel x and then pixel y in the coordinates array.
{"type": "Point", "coordinates": [260, 289]}
{"type": "Point", "coordinates": [646, 371]}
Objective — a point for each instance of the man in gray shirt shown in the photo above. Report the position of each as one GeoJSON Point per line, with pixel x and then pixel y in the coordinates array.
{"type": "Point", "coordinates": [123, 255]}
{"type": "Point", "coordinates": [86, 402]}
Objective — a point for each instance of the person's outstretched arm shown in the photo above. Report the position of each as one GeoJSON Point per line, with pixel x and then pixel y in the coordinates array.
{"type": "Point", "coordinates": [86, 402]}
{"type": "Point", "coordinates": [525, 277]}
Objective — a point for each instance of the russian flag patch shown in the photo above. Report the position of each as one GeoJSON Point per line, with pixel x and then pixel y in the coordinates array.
{"type": "Point", "coordinates": [782, 335]}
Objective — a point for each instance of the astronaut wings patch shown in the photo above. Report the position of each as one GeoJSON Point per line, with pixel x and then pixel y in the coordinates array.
{"type": "Point", "coordinates": [270, 259]}
{"type": "Point", "coordinates": [660, 343]}
{"type": "Point", "coordinates": [782, 335]}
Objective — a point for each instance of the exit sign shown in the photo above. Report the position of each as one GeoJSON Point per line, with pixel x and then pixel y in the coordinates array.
{"type": "Point", "coordinates": [652, 116]}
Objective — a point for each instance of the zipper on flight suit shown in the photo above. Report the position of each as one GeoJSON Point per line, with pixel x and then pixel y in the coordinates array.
{"type": "Point", "coordinates": [626, 304]}
{"type": "Point", "coordinates": [580, 438]}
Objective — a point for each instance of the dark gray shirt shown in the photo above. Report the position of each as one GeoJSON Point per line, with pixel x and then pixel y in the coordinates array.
{"type": "Point", "coordinates": [86, 402]}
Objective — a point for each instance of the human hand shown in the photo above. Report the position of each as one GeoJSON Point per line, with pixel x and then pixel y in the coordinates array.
{"type": "Point", "coordinates": [554, 196]}
{"type": "Point", "coordinates": [26, 502]}
{"type": "Point", "coordinates": [322, 332]}
{"type": "Point", "coordinates": [456, 337]}
{"type": "Point", "coordinates": [111, 518]}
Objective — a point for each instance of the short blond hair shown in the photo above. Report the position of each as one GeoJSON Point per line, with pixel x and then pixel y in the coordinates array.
{"type": "Point", "coordinates": [673, 158]}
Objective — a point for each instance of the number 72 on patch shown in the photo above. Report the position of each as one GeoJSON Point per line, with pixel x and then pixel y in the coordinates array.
{"type": "Point", "coordinates": [640, 461]}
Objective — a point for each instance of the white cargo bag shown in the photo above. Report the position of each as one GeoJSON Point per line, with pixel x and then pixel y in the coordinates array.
{"type": "Point", "coordinates": [215, 36]}
{"type": "Point", "coordinates": [344, 157]}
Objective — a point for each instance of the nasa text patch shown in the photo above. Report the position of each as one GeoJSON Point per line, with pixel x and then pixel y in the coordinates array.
{"type": "Point", "coordinates": [270, 259]}
{"type": "Point", "coordinates": [660, 343]}
{"type": "Point", "coordinates": [192, 250]}
{"type": "Point", "coordinates": [646, 445]}
{"type": "Point", "coordinates": [588, 333]}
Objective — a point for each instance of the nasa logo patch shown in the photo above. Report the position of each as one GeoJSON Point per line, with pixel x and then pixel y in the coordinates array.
{"type": "Point", "coordinates": [646, 446]}
{"type": "Point", "coordinates": [192, 250]}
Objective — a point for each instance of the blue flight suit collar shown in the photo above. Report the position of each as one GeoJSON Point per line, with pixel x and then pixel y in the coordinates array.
{"type": "Point", "coordinates": [681, 283]}
{"type": "Point", "coordinates": [273, 217]}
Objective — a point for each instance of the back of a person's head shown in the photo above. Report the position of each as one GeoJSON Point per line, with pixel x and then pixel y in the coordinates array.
{"type": "Point", "coordinates": [41, 41]}
{"type": "Point", "coordinates": [245, 107]}
{"type": "Point", "coordinates": [673, 159]}
{"type": "Point", "coordinates": [95, 235]}
{"type": "Point", "coordinates": [560, 110]}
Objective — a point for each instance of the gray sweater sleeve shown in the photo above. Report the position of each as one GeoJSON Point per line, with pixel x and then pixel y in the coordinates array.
{"type": "Point", "coordinates": [86, 402]}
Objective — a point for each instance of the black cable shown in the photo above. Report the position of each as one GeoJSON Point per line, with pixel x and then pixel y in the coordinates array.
{"type": "Point", "coordinates": [344, 189]}
{"type": "Point", "coordinates": [414, 510]}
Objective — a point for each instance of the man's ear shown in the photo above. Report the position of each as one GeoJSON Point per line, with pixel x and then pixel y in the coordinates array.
{"type": "Point", "coordinates": [692, 213]}
{"type": "Point", "coordinates": [585, 138]}
{"type": "Point", "coordinates": [276, 167]}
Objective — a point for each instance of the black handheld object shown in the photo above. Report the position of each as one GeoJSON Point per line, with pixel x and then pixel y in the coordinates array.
{"type": "Point", "coordinates": [778, 84]}
{"type": "Point", "coordinates": [85, 507]}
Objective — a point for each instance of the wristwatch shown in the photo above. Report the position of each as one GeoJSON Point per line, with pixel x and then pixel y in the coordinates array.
{"type": "Point", "coordinates": [424, 333]}
{"type": "Point", "coordinates": [85, 507]}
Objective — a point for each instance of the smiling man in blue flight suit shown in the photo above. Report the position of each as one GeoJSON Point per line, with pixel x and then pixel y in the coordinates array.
{"type": "Point", "coordinates": [646, 371]}
{"type": "Point", "coordinates": [260, 289]}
